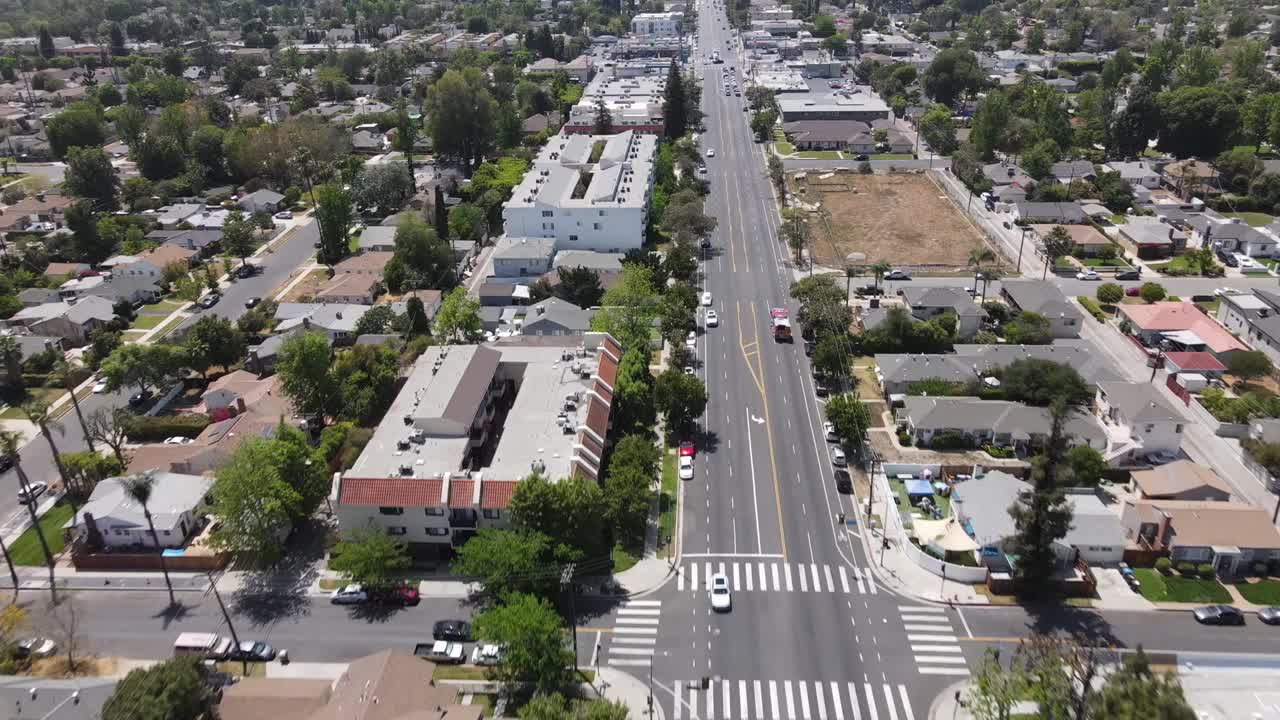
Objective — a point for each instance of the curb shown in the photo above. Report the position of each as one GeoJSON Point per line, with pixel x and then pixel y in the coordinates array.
{"type": "Point", "coordinates": [947, 693]}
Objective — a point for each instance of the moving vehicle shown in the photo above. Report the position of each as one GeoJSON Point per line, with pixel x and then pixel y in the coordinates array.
{"type": "Point", "coordinates": [1134, 274]}
{"type": "Point", "coordinates": [441, 651]}
{"type": "Point", "coordinates": [459, 630]}
{"type": "Point", "coordinates": [706, 299]}
{"type": "Point", "coordinates": [32, 493]}
{"type": "Point", "coordinates": [1270, 615]}
{"type": "Point", "coordinates": [284, 215]}
{"type": "Point", "coordinates": [721, 600]}
{"type": "Point", "coordinates": [252, 302]}
{"type": "Point", "coordinates": [897, 274]}
{"type": "Point", "coordinates": [711, 152]}
{"type": "Point", "coordinates": [100, 386]}
{"type": "Point", "coordinates": [1088, 275]}
{"type": "Point", "coordinates": [205, 645]}
{"type": "Point", "coordinates": [349, 595]}
{"type": "Point", "coordinates": [1218, 615]}
{"type": "Point", "coordinates": [253, 651]}
{"type": "Point", "coordinates": [687, 449]}
{"type": "Point", "coordinates": [713, 320]}
{"type": "Point", "coordinates": [781, 321]}
{"type": "Point", "coordinates": [246, 271]}
{"type": "Point", "coordinates": [686, 467]}
{"type": "Point", "coordinates": [844, 483]}
{"type": "Point", "coordinates": [209, 300]}
{"type": "Point", "coordinates": [177, 440]}
{"type": "Point", "coordinates": [862, 158]}
{"type": "Point", "coordinates": [35, 647]}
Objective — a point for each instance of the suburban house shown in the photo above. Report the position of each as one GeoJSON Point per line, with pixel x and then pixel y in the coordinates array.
{"type": "Point", "coordinates": [1044, 299]}
{"type": "Point", "coordinates": [66, 270]}
{"type": "Point", "coordinates": [1188, 178]}
{"type": "Point", "coordinates": [119, 520]}
{"type": "Point", "coordinates": [522, 257]}
{"type": "Point", "coordinates": [204, 242]}
{"type": "Point", "coordinates": [1255, 317]}
{"type": "Point", "coordinates": [78, 698]}
{"type": "Point", "coordinates": [997, 422]}
{"type": "Point", "coordinates": [1179, 480]}
{"type": "Point", "coordinates": [39, 213]}
{"type": "Point", "coordinates": [929, 302]}
{"type": "Point", "coordinates": [469, 423]}
{"type": "Point", "coordinates": [72, 320]}
{"type": "Point", "coordinates": [112, 287]}
{"type": "Point", "coordinates": [1009, 184]}
{"type": "Point", "coordinates": [1199, 363]}
{"type": "Point", "coordinates": [1180, 326]}
{"type": "Point", "coordinates": [1138, 420]}
{"type": "Point", "coordinates": [851, 135]}
{"type": "Point", "coordinates": [262, 201]}
{"type": "Point", "coordinates": [377, 238]}
{"type": "Point", "coordinates": [981, 505]}
{"type": "Point", "coordinates": [234, 392]}
{"type": "Point", "coordinates": [897, 371]}
{"type": "Point", "coordinates": [554, 316]}
{"type": "Point", "coordinates": [1067, 171]}
{"type": "Point", "coordinates": [1229, 536]}
{"type": "Point", "coordinates": [1235, 236]}
{"type": "Point", "coordinates": [336, 320]}
{"type": "Point", "coordinates": [160, 256]}
{"type": "Point", "coordinates": [356, 280]}
{"type": "Point", "coordinates": [1088, 241]}
{"type": "Point", "coordinates": [1137, 174]}
{"type": "Point", "coordinates": [30, 297]}
{"type": "Point", "coordinates": [1058, 213]}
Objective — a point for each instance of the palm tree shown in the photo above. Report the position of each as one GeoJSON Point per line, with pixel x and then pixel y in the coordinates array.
{"type": "Point", "coordinates": [62, 371]}
{"type": "Point", "coordinates": [986, 276]}
{"type": "Point", "coordinates": [850, 272]}
{"type": "Point", "coordinates": [879, 269]}
{"type": "Point", "coordinates": [138, 487]}
{"type": "Point", "coordinates": [11, 359]}
{"type": "Point", "coordinates": [38, 413]}
{"type": "Point", "coordinates": [9, 447]}
{"type": "Point", "coordinates": [977, 258]}
{"type": "Point", "coordinates": [13, 572]}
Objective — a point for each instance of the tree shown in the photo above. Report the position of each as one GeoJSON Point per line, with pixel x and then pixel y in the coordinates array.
{"type": "Point", "coordinates": [1134, 692]}
{"type": "Point", "coordinates": [1237, 168]}
{"type": "Point", "coordinates": [681, 399]}
{"type": "Point", "coordinates": [139, 488]}
{"type": "Point", "coordinates": [111, 428]}
{"type": "Point", "coordinates": [87, 244]}
{"type": "Point", "coordinates": [634, 408]}
{"type": "Point", "coordinates": [416, 322]}
{"type": "Point", "coordinates": [1196, 66]}
{"type": "Point", "coordinates": [580, 286]}
{"type": "Point", "coordinates": [467, 221]}
{"type": "Point", "coordinates": [37, 412]}
{"type": "Point", "coordinates": [144, 366]}
{"type": "Point", "coordinates": [508, 561]}
{"type": "Point", "coordinates": [675, 116]}
{"type": "Point", "coordinates": [458, 319]}
{"type": "Point", "coordinates": [1029, 328]}
{"type": "Point", "coordinates": [422, 259]}
{"type": "Point", "coordinates": [603, 118]}
{"type": "Point", "coordinates": [10, 444]}
{"type": "Point", "coordinates": [632, 468]}
{"type": "Point", "coordinates": [995, 691]}
{"type": "Point", "coordinates": [384, 186]}
{"type": "Point", "coordinates": [762, 124]}
{"type": "Point", "coordinates": [850, 418]}
{"type": "Point", "coordinates": [1249, 364]}
{"type": "Point", "coordinates": [1198, 121]}
{"type": "Point", "coordinates": [334, 216]}
{"type": "Point", "coordinates": [212, 341]}
{"type": "Point", "coordinates": [90, 174]}
{"type": "Point", "coordinates": [1151, 292]}
{"type": "Point", "coordinates": [303, 368]}
{"type": "Point", "coordinates": [1110, 293]}
{"type": "Point", "coordinates": [87, 469]}
{"type": "Point", "coordinates": [78, 125]}
{"type": "Point", "coordinates": [569, 513]}
{"type": "Point", "coordinates": [1057, 244]}
{"type": "Point", "coordinates": [176, 688]}
{"type": "Point", "coordinates": [461, 115]}
{"type": "Point", "coordinates": [406, 138]}
{"type": "Point", "coordinates": [371, 557]}
{"type": "Point", "coordinates": [830, 356]}
{"type": "Point", "coordinates": [939, 130]}
{"type": "Point", "coordinates": [1039, 159]}
{"type": "Point", "coordinates": [237, 236]}
{"type": "Point", "coordinates": [378, 320]}
{"type": "Point", "coordinates": [556, 707]}
{"type": "Point", "coordinates": [1087, 466]}
{"type": "Point", "coordinates": [1043, 516]}
{"type": "Point", "coordinates": [364, 379]}
{"type": "Point", "coordinates": [531, 632]}
{"type": "Point", "coordinates": [953, 73]}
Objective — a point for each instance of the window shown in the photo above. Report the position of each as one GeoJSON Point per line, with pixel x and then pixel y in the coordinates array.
{"type": "Point", "coordinates": [391, 510]}
{"type": "Point", "coordinates": [601, 212]}
{"type": "Point", "coordinates": [437, 532]}
{"type": "Point", "coordinates": [167, 533]}
{"type": "Point", "coordinates": [492, 514]}
{"type": "Point", "coordinates": [573, 238]}
{"type": "Point", "coordinates": [1149, 428]}
{"type": "Point", "coordinates": [435, 512]}
{"type": "Point", "coordinates": [548, 213]}
{"type": "Point", "coordinates": [595, 226]}
{"type": "Point", "coordinates": [397, 530]}
{"type": "Point", "coordinates": [1177, 428]}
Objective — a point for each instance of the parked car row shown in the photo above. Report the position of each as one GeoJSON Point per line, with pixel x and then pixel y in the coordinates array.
{"type": "Point", "coordinates": [355, 594]}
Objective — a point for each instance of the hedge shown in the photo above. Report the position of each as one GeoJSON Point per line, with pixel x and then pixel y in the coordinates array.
{"type": "Point", "coordinates": [1092, 306]}
{"type": "Point", "coordinates": [150, 429]}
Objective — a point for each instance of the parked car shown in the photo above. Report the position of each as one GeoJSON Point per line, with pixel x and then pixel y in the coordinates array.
{"type": "Point", "coordinates": [686, 467]}
{"type": "Point", "coordinates": [349, 595]}
{"type": "Point", "coordinates": [844, 483]}
{"type": "Point", "coordinates": [252, 302]}
{"type": "Point", "coordinates": [100, 386]}
{"type": "Point", "coordinates": [397, 595]}
{"type": "Point", "coordinates": [209, 300]}
{"type": "Point", "coordinates": [706, 299]}
{"type": "Point", "coordinates": [1088, 275]}
{"type": "Point", "coordinates": [441, 651]}
{"type": "Point", "coordinates": [1131, 292]}
{"type": "Point", "coordinates": [459, 630]}
{"type": "Point", "coordinates": [253, 651]}
{"type": "Point", "coordinates": [687, 449]}
{"type": "Point", "coordinates": [486, 655]}
{"type": "Point", "coordinates": [1134, 274]}
{"type": "Point", "coordinates": [284, 215]}
{"type": "Point", "coordinates": [830, 431]}
{"type": "Point", "coordinates": [32, 492]}
{"type": "Point", "coordinates": [246, 271]}
{"type": "Point", "coordinates": [862, 158]}
{"type": "Point", "coordinates": [35, 647]}
{"type": "Point", "coordinates": [177, 440]}
{"type": "Point", "coordinates": [691, 340]}
{"type": "Point", "coordinates": [711, 152]}
{"type": "Point", "coordinates": [838, 457]}
{"type": "Point", "coordinates": [1270, 615]}
{"type": "Point", "coordinates": [713, 320]}
{"type": "Point", "coordinates": [897, 274]}
{"type": "Point", "coordinates": [1218, 615]}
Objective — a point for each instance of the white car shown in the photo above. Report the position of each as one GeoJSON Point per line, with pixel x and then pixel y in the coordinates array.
{"type": "Point", "coordinates": [830, 431]}
{"type": "Point", "coordinates": [284, 215]}
{"type": "Point", "coordinates": [486, 655]}
{"type": "Point", "coordinates": [706, 299]}
{"type": "Point", "coordinates": [349, 595]}
{"type": "Point", "coordinates": [37, 489]}
{"type": "Point", "coordinates": [177, 440]}
{"type": "Point", "coordinates": [1088, 275]}
{"type": "Point", "coordinates": [100, 386]}
{"type": "Point", "coordinates": [686, 467]}
{"type": "Point", "coordinates": [721, 600]}
{"type": "Point", "coordinates": [897, 275]}
{"type": "Point", "coordinates": [448, 653]}
{"type": "Point", "coordinates": [688, 370]}
{"type": "Point", "coordinates": [37, 647]}
{"type": "Point", "coordinates": [711, 152]}
{"type": "Point", "coordinates": [837, 457]}
{"type": "Point", "coordinates": [713, 320]}
{"type": "Point", "coordinates": [691, 341]}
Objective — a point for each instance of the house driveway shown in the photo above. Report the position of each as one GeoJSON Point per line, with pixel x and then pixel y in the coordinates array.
{"type": "Point", "coordinates": [1114, 592]}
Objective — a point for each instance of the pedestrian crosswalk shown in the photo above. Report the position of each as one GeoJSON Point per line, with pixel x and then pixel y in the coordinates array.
{"type": "Point", "coordinates": [765, 576]}
{"type": "Point", "coordinates": [720, 699]}
{"type": "Point", "coordinates": [933, 640]}
{"type": "Point", "coordinates": [635, 633]}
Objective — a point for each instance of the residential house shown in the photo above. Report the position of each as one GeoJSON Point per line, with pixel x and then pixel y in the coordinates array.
{"type": "Point", "coordinates": [234, 392]}
{"type": "Point", "coordinates": [1229, 536]}
{"type": "Point", "coordinates": [1137, 174]}
{"type": "Point", "coordinates": [1179, 480]}
{"type": "Point", "coordinates": [1189, 178]}
{"type": "Point", "coordinates": [337, 321]}
{"type": "Point", "coordinates": [523, 257]}
{"type": "Point", "coordinates": [929, 302]}
{"type": "Point", "coordinates": [28, 697]}
{"type": "Point", "coordinates": [132, 288]}
{"type": "Point", "coordinates": [431, 300]}
{"type": "Point", "coordinates": [1058, 213]}
{"type": "Point", "coordinates": [830, 135]}
{"type": "Point", "coordinates": [981, 505]}
{"type": "Point", "coordinates": [262, 201]}
{"type": "Point", "coordinates": [1067, 171]}
{"type": "Point", "coordinates": [356, 280]}
{"type": "Point", "coordinates": [1045, 299]}
{"type": "Point", "coordinates": [1180, 326]}
{"type": "Point", "coordinates": [496, 294]}
{"type": "Point", "coordinates": [1255, 317]}
{"type": "Point", "coordinates": [39, 213]}
{"type": "Point", "coordinates": [262, 357]}
{"type": "Point", "coordinates": [1198, 363]}
{"type": "Point", "coordinates": [1151, 239]}
{"type": "Point", "coordinates": [161, 256]}
{"type": "Point", "coordinates": [171, 216]}
{"type": "Point", "coordinates": [379, 238]}
{"type": "Point", "coordinates": [30, 297]}
{"type": "Point", "coordinates": [997, 422]}
{"type": "Point", "coordinates": [65, 270]}
{"type": "Point", "coordinates": [1234, 236]}
{"type": "Point", "coordinates": [1009, 183]}
{"type": "Point", "coordinates": [204, 243]}
{"type": "Point", "coordinates": [120, 520]}
{"type": "Point", "coordinates": [861, 104]}
{"type": "Point", "coordinates": [541, 122]}
{"type": "Point", "coordinates": [369, 143]}
{"type": "Point", "coordinates": [554, 316]}
{"type": "Point", "coordinates": [1088, 241]}
{"type": "Point", "coordinates": [1139, 421]}
{"type": "Point", "coordinates": [72, 320]}
{"type": "Point", "coordinates": [896, 372]}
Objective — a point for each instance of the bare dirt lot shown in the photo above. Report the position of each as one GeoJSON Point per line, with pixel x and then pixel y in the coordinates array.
{"type": "Point", "coordinates": [902, 219]}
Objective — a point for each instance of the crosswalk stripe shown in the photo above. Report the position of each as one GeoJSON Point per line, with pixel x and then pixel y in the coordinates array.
{"type": "Point", "coordinates": [777, 585]}
{"type": "Point", "coordinates": [720, 571]}
{"type": "Point", "coordinates": [936, 648]}
{"type": "Point", "coordinates": [693, 577]}
{"type": "Point", "coordinates": [940, 660]}
{"type": "Point", "coordinates": [759, 705]}
{"type": "Point", "coordinates": [680, 580]}
{"type": "Point", "coordinates": [917, 627]}
{"type": "Point", "coordinates": [888, 697]}
{"type": "Point", "coordinates": [826, 570]}
{"type": "Point", "coordinates": [635, 631]}
{"type": "Point", "coordinates": [773, 699]}
{"type": "Point", "coordinates": [870, 695]}
{"type": "Point", "coordinates": [636, 621]}
{"type": "Point", "coordinates": [760, 575]}
{"type": "Point", "coordinates": [632, 640]}
{"type": "Point", "coordinates": [724, 698]}
{"type": "Point", "coordinates": [931, 637]}
{"type": "Point", "coordinates": [822, 702]}
{"type": "Point", "coordinates": [628, 663]}
{"type": "Point", "coordinates": [631, 651]}
{"type": "Point", "coordinates": [871, 582]}
{"type": "Point", "coordinates": [927, 620]}
{"type": "Point", "coordinates": [817, 584]}
{"type": "Point", "coordinates": [678, 685]}
{"type": "Point", "coordinates": [943, 670]}
{"type": "Point", "coordinates": [711, 700]}
{"type": "Point", "coordinates": [804, 579]}
{"type": "Point", "coordinates": [707, 578]}
{"type": "Point", "coordinates": [906, 702]}
{"type": "Point", "coordinates": [835, 700]}
{"type": "Point", "coordinates": [742, 700]}
{"type": "Point", "coordinates": [639, 610]}
{"type": "Point", "coordinates": [736, 580]}
{"type": "Point", "coordinates": [853, 702]}
{"type": "Point", "coordinates": [921, 608]}
{"type": "Point", "coordinates": [844, 580]}
{"type": "Point", "coordinates": [803, 689]}
{"type": "Point", "coordinates": [857, 573]}
{"type": "Point", "coordinates": [788, 569]}
{"type": "Point", "coordinates": [693, 702]}
{"type": "Point", "coordinates": [791, 701]}
{"type": "Point", "coordinates": [747, 572]}
{"type": "Point", "coordinates": [641, 603]}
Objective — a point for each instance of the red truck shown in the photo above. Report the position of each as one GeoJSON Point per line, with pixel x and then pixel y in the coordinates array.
{"type": "Point", "coordinates": [781, 320]}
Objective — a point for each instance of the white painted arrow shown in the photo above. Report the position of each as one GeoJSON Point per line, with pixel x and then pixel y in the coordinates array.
{"type": "Point", "coordinates": [758, 421]}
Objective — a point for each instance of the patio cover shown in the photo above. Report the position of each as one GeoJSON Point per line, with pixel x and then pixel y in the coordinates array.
{"type": "Point", "coordinates": [919, 488]}
{"type": "Point", "coordinates": [945, 535]}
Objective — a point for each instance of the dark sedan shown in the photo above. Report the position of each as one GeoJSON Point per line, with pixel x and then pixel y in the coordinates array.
{"type": "Point", "coordinates": [1270, 615]}
{"type": "Point", "coordinates": [253, 651]}
{"type": "Point", "coordinates": [844, 483]}
{"type": "Point", "coordinates": [458, 630]}
{"type": "Point", "coordinates": [1218, 615]}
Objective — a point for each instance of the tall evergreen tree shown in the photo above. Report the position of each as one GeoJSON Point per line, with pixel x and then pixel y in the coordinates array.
{"type": "Point", "coordinates": [46, 43]}
{"type": "Point", "coordinates": [675, 112]}
{"type": "Point", "coordinates": [604, 119]}
{"type": "Point", "coordinates": [117, 40]}
{"type": "Point", "coordinates": [1043, 516]}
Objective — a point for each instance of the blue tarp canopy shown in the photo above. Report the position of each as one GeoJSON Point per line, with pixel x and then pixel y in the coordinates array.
{"type": "Point", "coordinates": [919, 488]}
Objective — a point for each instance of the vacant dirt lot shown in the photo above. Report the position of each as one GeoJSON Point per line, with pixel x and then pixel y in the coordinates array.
{"type": "Point", "coordinates": [902, 219]}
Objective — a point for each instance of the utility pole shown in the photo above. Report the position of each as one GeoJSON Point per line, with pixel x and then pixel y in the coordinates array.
{"type": "Point", "coordinates": [651, 688]}
{"type": "Point", "coordinates": [213, 587]}
{"type": "Point", "coordinates": [1021, 242]}
{"type": "Point", "coordinates": [566, 581]}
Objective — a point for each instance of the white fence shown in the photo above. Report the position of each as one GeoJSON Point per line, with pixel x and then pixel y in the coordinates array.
{"type": "Point", "coordinates": [893, 526]}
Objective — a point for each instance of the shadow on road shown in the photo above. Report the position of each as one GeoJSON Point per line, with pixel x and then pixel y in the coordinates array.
{"type": "Point", "coordinates": [1082, 626]}
{"type": "Point", "coordinates": [280, 591]}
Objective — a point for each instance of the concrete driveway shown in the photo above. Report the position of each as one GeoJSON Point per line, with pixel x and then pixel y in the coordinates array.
{"type": "Point", "coordinates": [1114, 592]}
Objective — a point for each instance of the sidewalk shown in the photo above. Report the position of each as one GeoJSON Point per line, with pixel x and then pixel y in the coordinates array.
{"type": "Point", "coordinates": [612, 684]}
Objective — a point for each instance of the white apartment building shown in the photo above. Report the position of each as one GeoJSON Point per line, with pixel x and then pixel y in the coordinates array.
{"type": "Point", "coordinates": [663, 24]}
{"type": "Point", "coordinates": [635, 102]}
{"type": "Point", "coordinates": [588, 192]}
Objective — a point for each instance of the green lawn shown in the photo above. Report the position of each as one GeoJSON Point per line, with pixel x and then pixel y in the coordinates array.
{"type": "Point", "coordinates": [167, 327]}
{"type": "Point", "coordinates": [1178, 263]}
{"type": "Point", "coordinates": [900, 490]}
{"type": "Point", "coordinates": [26, 549]}
{"type": "Point", "coordinates": [1173, 588]}
{"type": "Point", "coordinates": [892, 156]}
{"type": "Point", "coordinates": [1266, 592]}
{"type": "Point", "coordinates": [624, 558]}
{"type": "Point", "coordinates": [41, 395]}
{"type": "Point", "coordinates": [1254, 219]}
{"type": "Point", "coordinates": [1099, 262]}
{"type": "Point", "coordinates": [1118, 219]}
{"type": "Point", "coordinates": [146, 321]}
{"type": "Point", "coordinates": [460, 672]}
{"type": "Point", "coordinates": [166, 306]}
{"type": "Point", "coordinates": [820, 154]}
{"type": "Point", "coordinates": [784, 148]}
{"type": "Point", "coordinates": [669, 499]}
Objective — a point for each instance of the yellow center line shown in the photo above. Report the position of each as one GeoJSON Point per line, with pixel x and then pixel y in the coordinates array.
{"type": "Point", "coordinates": [768, 426]}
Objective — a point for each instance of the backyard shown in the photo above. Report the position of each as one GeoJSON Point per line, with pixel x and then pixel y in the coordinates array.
{"type": "Point", "coordinates": [904, 503]}
{"type": "Point", "coordinates": [899, 219]}
{"type": "Point", "coordinates": [1157, 587]}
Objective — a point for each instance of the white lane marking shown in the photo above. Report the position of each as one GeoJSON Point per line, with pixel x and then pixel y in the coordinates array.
{"type": "Point", "coordinates": [736, 578]}
{"type": "Point", "coordinates": [759, 699]}
{"type": "Point", "coordinates": [943, 671]}
{"type": "Point", "coordinates": [635, 621]}
{"type": "Point", "coordinates": [888, 697]}
{"type": "Point", "coordinates": [844, 580]}
{"type": "Point", "coordinates": [773, 700]}
{"type": "Point", "coordinates": [906, 702]}
{"type": "Point", "coordinates": [746, 570]}
{"type": "Point", "coordinates": [760, 574]}
{"type": "Point", "coordinates": [857, 573]}
{"type": "Point", "coordinates": [853, 702]}
{"type": "Point", "coordinates": [817, 583]}
{"type": "Point", "coordinates": [776, 584]}
{"type": "Point", "coordinates": [711, 700]}
{"type": "Point", "coordinates": [804, 699]}
{"type": "Point", "coordinates": [791, 701]}
{"type": "Point", "coordinates": [931, 637]}
{"type": "Point", "coordinates": [804, 581]}
{"type": "Point", "coordinates": [826, 571]}
{"type": "Point", "coordinates": [724, 698]}
{"type": "Point", "coordinates": [631, 651]}
{"type": "Point", "coordinates": [678, 685]}
{"type": "Point", "coordinates": [635, 631]}
{"type": "Point", "coordinates": [680, 579]}
{"type": "Point", "coordinates": [742, 700]}
{"type": "Point", "coordinates": [822, 702]}
{"type": "Point", "coordinates": [693, 702]}
{"type": "Point", "coordinates": [628, 663]}
{"type": "Point", "coordinates": [707, 577]}
{"type": "Point", "coordinates": [870, 695]}
{"type": "Point", "coordinates": [629, 640]}
{"type": "Point", "coordinates": [918, 627]}
{"type": "Point", "coordinates": [921, 609]}
{"type": "Point", "coordinates": [835, 700]}
{"type": "Point", "coordinates": [936, 648]}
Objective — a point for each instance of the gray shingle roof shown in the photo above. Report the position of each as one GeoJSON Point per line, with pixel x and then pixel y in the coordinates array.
{"type": "Point", "coordinates": [952, 298]}
{"type": "Point", "coordinates": [1040, 297]}
{"type": "Point", "coordinates": [1140, 402]}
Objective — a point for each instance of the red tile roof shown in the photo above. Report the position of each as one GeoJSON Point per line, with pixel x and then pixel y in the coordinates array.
{"type": "Point", "coordinates": [460, 492]}
{"type": "Point", "coordinates": [496, 494]}
{"type": "Point", "coordinates": [1194, 361]}
{"type": "Point", "coordinates": [391, 492]}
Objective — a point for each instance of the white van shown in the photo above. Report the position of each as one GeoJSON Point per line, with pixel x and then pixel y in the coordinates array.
{"type": "Point", "coordinates": [204, 645]}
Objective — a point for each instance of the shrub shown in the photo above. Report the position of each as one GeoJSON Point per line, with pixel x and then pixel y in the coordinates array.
{"type": "Point", "coordinates": [1260, 569]}
{"type": "Point", "coordinates": [150, 429]}
{"type": "Point", "coordinates": [1163, 565]}
{"type": "Point", "coordinates": [904, 438]}
{"type": "Point", "coordinates": [1088, 304]}
{"type": "Point", "coordinates": [1186, 568]}
{"type": "Point", "coordinates": [997, 452]}
{"type": "Point", "coordinates": [950, 441]}
{"type": "Point", "coordinates": [1110, 293]}
{"type": "Point", "coordinates": [1205, 570]}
